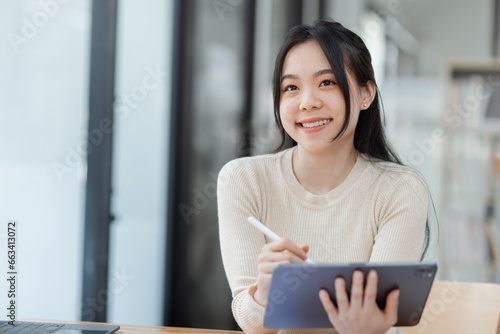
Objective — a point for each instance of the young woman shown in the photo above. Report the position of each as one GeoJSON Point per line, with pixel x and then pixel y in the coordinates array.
{"type": "Point", "coordinates": [338, 195]}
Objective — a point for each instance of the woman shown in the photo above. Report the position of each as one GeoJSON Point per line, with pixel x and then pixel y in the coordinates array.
{"type": "Point", "coordinates": [339, 194]}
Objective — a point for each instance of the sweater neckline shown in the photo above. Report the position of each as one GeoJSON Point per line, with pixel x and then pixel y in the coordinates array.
{"type": "Point", "coordinates": [327, 199]}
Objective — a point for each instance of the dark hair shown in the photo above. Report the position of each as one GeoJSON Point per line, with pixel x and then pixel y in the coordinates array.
{"type": "Point", "coordinates": [343, 50]}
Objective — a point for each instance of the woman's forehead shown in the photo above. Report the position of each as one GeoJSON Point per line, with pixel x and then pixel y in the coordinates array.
{"type": "Point", "coordinates": [307, 57]}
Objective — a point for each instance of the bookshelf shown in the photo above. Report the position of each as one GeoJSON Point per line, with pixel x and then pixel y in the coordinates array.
{"type": "Point", "coordinates": [470, 196]}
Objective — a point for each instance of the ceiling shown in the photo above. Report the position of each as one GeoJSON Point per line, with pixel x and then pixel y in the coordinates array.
{"type": "Point", "coordinates": [445, 29]}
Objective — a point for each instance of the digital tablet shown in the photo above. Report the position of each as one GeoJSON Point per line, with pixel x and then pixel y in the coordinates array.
{"type": "Point", "coordinates": [293, 300]}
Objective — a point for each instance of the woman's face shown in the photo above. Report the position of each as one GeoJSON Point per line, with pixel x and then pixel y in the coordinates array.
{"type": "Point", "coordinates": [312, 107]}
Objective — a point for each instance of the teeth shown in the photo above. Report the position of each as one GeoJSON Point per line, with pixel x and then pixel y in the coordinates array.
{"type": "Point", "coordinates": [318, 123]}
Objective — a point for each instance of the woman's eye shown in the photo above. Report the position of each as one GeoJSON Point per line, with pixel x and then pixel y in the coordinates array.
{"type": "Point", "coordinates": [327, 83]}
{"type": "Point", "coordinates": [290, 88]}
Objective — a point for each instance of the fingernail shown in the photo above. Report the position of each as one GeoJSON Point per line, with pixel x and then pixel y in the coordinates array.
{"type": "Point", "coordinates": [396, 294]}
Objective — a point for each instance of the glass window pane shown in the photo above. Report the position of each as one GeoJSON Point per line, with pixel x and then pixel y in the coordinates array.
{"type": "Point", "coordinates": [44, 65]}
{"type": "Point", "coordinates": [137, 248]}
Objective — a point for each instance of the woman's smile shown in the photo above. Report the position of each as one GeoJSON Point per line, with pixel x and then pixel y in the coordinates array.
{"type": "Point", "coordinates": [314, 124]}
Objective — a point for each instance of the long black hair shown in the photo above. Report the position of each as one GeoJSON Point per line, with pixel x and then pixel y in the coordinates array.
{"type": "Point", "coordinates": [344, 50]}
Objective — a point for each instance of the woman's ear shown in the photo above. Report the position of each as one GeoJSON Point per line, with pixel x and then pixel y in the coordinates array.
{"type": "Point", "coordinates": [368, 94]}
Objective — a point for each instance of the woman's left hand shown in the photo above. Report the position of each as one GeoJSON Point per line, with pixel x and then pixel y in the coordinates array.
{"type": "Point", "coordinates": [361, 314]}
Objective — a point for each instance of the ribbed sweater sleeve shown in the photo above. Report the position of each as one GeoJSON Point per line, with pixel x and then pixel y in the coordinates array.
{"type": "Point", "coordinates": [401, 214]}
{"type": "Point", "coordinates": [239, 197]}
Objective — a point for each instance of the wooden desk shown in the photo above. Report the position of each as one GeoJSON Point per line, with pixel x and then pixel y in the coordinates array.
{"type": "Point", "coordinates": [134, 329]}
{"type": "Point", "coordinates": [455, 307]}
{"type": "Point", "coordinates": [129, 329]}
{"type": "Point", "coordinates": [452, 307]}
{"type": "Point", "coordinates": [126, 329]}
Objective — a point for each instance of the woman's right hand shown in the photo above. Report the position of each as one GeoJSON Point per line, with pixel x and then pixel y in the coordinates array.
{"type": "Point", "coordinates": [273, 253]}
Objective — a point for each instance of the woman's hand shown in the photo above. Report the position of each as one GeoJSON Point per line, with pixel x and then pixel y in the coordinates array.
{"type": "Point", "coordinates": [361, 314]}
{"type": "Point", "coordinates": [273, 253]}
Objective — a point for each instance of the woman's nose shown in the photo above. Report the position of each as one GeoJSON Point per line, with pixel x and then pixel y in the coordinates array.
{"type": "Point", "coordinates": [309, 101]}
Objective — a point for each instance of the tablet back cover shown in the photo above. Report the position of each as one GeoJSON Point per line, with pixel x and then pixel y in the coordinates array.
{"type": "Point", "coordinates": [293, 300]}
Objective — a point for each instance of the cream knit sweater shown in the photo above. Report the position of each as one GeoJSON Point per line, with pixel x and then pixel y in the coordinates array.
{"type": "Point", "coordinates": [377, 214]}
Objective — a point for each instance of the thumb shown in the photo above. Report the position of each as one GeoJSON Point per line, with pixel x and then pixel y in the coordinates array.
{"type": "Point", "coordinates": [391, 307]}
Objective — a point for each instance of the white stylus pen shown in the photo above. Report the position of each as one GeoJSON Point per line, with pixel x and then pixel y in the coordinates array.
{"type": "Point", "coordinates": [264, 229]}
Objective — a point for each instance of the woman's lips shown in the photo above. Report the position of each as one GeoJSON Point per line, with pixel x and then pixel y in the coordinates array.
{"type": "Point", "coordinates": [314, 124]}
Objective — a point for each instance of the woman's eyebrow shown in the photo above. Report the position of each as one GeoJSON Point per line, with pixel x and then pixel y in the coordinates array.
{"type": "Point", "coordinates": [322, 72]}
{"type": "Point", "coordinates": [289, 76]}
{"type": "Point", "coordinates": [316, 74]}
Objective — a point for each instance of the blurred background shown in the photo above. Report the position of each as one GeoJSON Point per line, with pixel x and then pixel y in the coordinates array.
{"type": "Point", "coordinates": [117, 115]}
